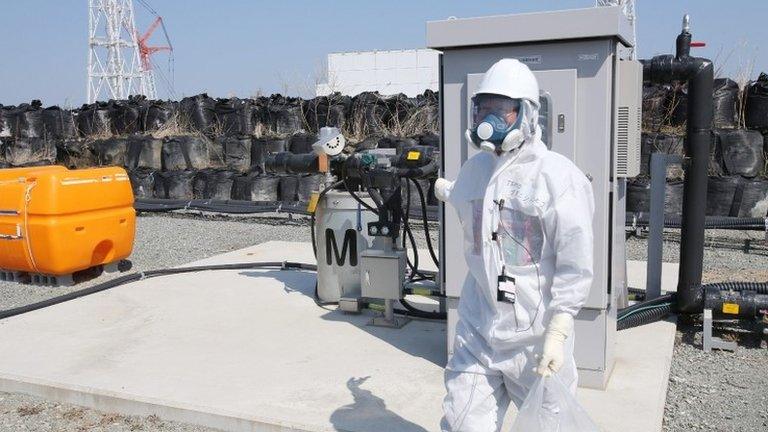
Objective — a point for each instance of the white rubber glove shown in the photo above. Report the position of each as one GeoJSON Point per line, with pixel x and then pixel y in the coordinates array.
{"type": "Point", "coordinates": [560, 328]}
{"type": "Point", "coordinates": [443, 189]}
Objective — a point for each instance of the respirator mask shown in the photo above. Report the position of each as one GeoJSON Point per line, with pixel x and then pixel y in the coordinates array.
{"type": "Point", "coordinates": [498, 123]}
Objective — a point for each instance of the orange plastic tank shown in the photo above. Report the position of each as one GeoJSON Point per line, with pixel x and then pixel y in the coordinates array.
{"type": "Point", "coordinates": [55, 221]}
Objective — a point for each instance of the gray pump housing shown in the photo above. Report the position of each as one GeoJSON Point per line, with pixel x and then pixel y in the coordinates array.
{"type": "Point", "coordinates": [341, 236]}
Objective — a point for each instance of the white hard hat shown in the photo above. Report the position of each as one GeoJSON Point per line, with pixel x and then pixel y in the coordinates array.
{"type": "Point", "coordinates": [511, 78]}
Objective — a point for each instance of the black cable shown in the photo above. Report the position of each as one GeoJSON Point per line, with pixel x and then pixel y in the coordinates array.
{"type": "Point", "coordinates": [148, 7]}
{"type": "Point", "coordinates": [412, 265]}
{"type": "Point", "coordinates": [133, 277]}
{"type": "Point", "coordinates": [426, 223]}
{"type": "Point", "coordinates": [357, 198]}
{"type": "Point", "coordinates": [417, 272]}
{"type": "Point", "coordinates": [416, 312]}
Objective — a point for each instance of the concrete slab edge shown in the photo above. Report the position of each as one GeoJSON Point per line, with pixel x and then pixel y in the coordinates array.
{"type": "Point", "coordinates": [662, 399]}
{"type": "Point", "coordinates": [669, 346]}
{"type": "Point", "coordinates": [126, 404]}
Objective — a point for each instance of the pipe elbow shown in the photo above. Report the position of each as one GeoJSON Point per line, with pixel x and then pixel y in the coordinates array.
{"type": "Point", "coordinates": [689, 300]}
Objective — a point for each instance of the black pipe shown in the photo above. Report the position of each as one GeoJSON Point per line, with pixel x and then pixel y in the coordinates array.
{"type": "Point", "coordinates": [735, 304]}
{"type": "Point", "coordinates": [699, 74]}
{"type": "Point", "coordinates": [289, 163]}
{"type": "Point", "coordinates": [698, 142]}
{"type": "Point", "coordinates": [726, 300]}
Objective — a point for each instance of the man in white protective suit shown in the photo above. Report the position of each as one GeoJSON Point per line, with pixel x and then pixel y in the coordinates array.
{"type": "Point", "coordinates": [526, 214]}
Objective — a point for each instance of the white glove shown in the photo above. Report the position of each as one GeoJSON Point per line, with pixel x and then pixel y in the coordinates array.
{"type": "Point", "coordinates": [443, 189]}
{"type": "Point", "coordinates": [560, 328]}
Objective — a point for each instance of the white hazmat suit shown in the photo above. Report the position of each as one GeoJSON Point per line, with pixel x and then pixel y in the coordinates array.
{"type": "Point", "coordinates": [526, 214]}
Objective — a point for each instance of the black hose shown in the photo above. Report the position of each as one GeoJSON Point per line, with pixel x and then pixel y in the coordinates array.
{"type": "Point", "coordinates": [645, 316]}
{"type": "Point", "coordinates": [213, 206]}
{"type": "Point", "coordinates": [426, 223]}
{"type": "Point", "coordinates": [758, 287]}
{"type": "Point", "coordinates": [416, 312]}
{"type": "Point", "coordinates": [711, 222]}
{"type": "Point", "coordinates": [412, 173]}
{"type": "Point", "coordinates": [666, 298]}
{"type": "Point", "coordinates": [133, 277]}
{"type": "Point", "coordinates": [645, 312]}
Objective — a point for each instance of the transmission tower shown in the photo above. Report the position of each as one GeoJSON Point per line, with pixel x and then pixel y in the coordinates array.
{"type": "Point", "coordinates": [115, 69]}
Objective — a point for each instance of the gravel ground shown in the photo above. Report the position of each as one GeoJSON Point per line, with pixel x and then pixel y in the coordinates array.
{"type": "Point", "coordinates": [21, 413]}
{"type": "Point", "coordinates": [721, 391]}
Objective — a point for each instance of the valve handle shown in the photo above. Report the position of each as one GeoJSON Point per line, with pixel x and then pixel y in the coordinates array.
{"type": "Point", "coordinates": [698, 44]}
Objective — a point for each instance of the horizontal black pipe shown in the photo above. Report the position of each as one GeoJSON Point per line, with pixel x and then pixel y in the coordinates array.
{"type": "Point", "coordinates": [735, 304]}
{"type": "Point", "coordinates": [289, 163]}
{"type": "Point", "coordinates": [726, 299]}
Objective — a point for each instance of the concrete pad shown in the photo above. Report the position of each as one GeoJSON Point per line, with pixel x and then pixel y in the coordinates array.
{"type": "Point", "coordinates": [637, 391]}
{"type": "Point", "coordinates": [637, 275]}
{"type": "Point", "coordinates": [251, 351]}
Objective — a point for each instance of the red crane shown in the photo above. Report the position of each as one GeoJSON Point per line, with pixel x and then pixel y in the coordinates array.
{"type": "Point", "coordinates": [145, 50]}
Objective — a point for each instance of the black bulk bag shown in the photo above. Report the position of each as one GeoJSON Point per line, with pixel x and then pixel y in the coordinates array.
{"type": "Point", "coordinates": [725, 103]}
{"type": "Point", "coordinates": [740, 151]}
{"type": "Point", "coordinates": [756, 103]}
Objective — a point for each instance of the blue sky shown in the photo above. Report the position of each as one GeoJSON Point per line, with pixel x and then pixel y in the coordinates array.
{"type": "Point", "coordinates": [240, 47]}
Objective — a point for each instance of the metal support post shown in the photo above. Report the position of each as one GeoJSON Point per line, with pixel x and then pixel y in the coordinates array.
{"type": "Point", "coordinates": [659, 162]}
{"type": "Point", "coordinates": [712, 342]}
{"type": "Point", "coordinates": [389, 319]}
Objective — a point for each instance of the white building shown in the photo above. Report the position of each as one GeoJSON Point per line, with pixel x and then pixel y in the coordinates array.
{"type": "Point", "coordinates": [388, 72]}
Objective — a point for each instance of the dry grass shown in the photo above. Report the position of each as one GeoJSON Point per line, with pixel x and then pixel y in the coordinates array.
{"type": "Point", "coordinates": [355, 128]}
{"type": "Point", "coordinates": [261, 130]}
{"type": "Point", "coordinates": [108, 419]}
{"type": "Point", "coordinates": [74, 414]}
{"type": "Point", "coordinates": [29, 410]}
{"type": "Point", "coordinates": [176, 125]}
{"type": "Point", "coordinates": [419, 121]}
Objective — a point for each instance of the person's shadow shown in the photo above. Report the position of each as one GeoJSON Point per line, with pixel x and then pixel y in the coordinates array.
{"type": "Point", "coordinates": [369, 413]}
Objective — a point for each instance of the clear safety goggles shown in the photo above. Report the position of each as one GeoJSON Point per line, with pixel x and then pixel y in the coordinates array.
{"type": "Point", "coordinates": [498, 105]}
